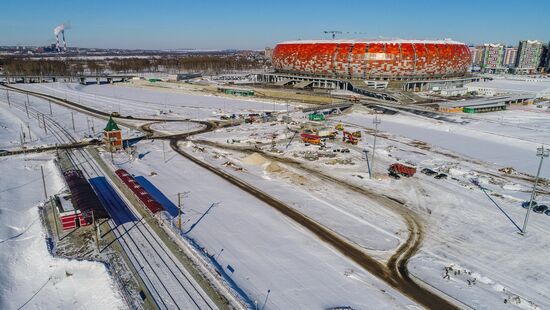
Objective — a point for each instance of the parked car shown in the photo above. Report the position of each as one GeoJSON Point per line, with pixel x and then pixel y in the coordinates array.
{"type": "Point", "coordinates": [540, 209]}
{"type": "Point", "coordinates": [525, 204]}
{"type": "Point", "coordinates": [3, 152]}
{"type": "Point", "coordinates": [428, 171]}
{"type": "Point", "coordinates": [547, 212]}
{"type": "Point", "coordinates": [441, 176]}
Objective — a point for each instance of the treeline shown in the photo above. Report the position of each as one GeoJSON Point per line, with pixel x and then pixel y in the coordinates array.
{"type": "Point", "coordinates": [211, 64]}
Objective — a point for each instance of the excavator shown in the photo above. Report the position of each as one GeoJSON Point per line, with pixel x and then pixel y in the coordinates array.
{"type": "Point", "coordinates": [349, 138]}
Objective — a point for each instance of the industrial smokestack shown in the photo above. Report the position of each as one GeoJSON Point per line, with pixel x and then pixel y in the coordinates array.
{"type": "Point", "coordinates": [64, 41]}
{"type": "Point", "coordinates": [61, 29]}
{"type": "Point", "coordinates": [57, 43]}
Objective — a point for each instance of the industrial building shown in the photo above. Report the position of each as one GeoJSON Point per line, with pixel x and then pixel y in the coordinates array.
{"type": "Point", "coordinates": [482, 105]}
{"type": "Point", "coordinates": [373, 59]}
{"type": "Point", "coordinates": [535, 88]}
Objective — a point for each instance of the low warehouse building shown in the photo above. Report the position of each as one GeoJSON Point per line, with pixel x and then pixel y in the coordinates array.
{"type": "Point", "coordinates": [481, 105]}
{"type": "Point", "coordinates": [236, 91]}
{"type": "Point", "coordinates": [535, 88]}
{"type": "Point", "coordinates": [69, 217]}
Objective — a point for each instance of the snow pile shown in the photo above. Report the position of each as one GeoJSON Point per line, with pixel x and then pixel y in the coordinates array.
{"type": "Point", "coordinates": [30, 276]}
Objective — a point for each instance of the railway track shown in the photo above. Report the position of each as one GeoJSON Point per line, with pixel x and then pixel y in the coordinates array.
{"type": "Point", "coordinates": [395, 273]}
{"type": "Point", "coordinates": [166, 280]}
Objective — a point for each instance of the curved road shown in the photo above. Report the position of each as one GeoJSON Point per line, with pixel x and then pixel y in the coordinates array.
{"type": "Point", "coordinates": [395, 273]}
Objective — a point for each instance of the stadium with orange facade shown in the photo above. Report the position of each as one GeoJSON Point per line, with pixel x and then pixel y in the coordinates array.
{"type": "Point", "coordinates": [373, 59]}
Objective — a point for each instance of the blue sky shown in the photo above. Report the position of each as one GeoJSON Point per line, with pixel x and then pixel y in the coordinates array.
{"type": "Point", "coordinates": [245, 24]}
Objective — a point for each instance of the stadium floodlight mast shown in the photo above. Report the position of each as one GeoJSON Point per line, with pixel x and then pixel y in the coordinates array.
{"type": "Point", "coordinates": [542, 152]}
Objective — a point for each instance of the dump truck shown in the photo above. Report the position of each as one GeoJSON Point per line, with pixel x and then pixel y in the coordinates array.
{"type": "Point", "coordinates": [400, 169]}
{"type": "Point", "coordinates": [356, 134]}
{"type": "Point", "coordinates": [316, 116]}
{"type": "Point", "coordinates": [309, 138]}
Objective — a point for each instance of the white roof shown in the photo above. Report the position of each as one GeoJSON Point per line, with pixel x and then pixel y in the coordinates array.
{"type": "Point", "coordinates": [66, 203]}
{"type": "Point", "coordinates": [446, 41]}
{"type": "Point", "coordinates": [514, 85]}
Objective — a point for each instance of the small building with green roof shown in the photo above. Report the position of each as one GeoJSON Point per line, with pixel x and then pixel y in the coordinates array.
{"type": "Point", "coordinates": [112, 135]}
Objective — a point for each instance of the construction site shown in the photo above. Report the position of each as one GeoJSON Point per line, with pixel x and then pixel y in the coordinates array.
{"type": "Point", "coordinates": [319, 174]}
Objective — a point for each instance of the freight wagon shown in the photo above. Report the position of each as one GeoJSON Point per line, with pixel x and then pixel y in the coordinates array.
{"type": "Point", "coordinates": [142, 194]}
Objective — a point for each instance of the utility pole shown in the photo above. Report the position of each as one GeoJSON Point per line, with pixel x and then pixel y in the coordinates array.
{"type": "Point", "coordinates": [72, 117]}
{"type": "Point", "coordinates": [29, 129]}
{"type": "Point", "coordinates": [542, 152]}
{"type": "Point", "coordinates": [111, 148]}
{"type": "Point", "coordinates": [96, 229]}
{"type": "Point", "coordinates": [44, 123]}
{"type": "Point", "coordinates": [22, 134]}
{"type": "Point", "coordinates": [179, 211]}
{"type": "Point", "coordinates": [51, 113]}
{"type": "Point", "coordinates": [8, 97]}
{"type": "Point", "coordinates": [376, 122]}
{"type": "Point", "coordinates": [52, 204]}
{"type": "Point", "coordinates": [164, 155]}
{"type": "Point", "coordinates": [44, 182]}
{"type": "Point", "coordinates": [27, 106]}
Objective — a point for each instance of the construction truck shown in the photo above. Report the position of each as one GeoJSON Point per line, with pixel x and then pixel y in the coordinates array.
{"type": "Point", "coordinates": [316, 116]}
{"type": "Point", "coordinates": [397, 169]}
{"type": "Point", "coordinates": [339, 127]}
{"type": "Point", "coordinates": [349, 138]}
{"type": "Point", "coordinates": [356, 134]}
{"type": "Point", "coordinates": [327, 133]}
{"type": "Point", "coordinates": [312, 139]}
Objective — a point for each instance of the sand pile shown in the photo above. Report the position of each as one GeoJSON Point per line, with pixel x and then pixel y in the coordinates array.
{"type": "Point", "coordinates": [255, 159]}
{"type": "Point", "coordinates": [274, 167]}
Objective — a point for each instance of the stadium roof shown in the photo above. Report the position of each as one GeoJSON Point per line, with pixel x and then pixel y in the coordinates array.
{"type": "Point", "coordinates": [446, 41]}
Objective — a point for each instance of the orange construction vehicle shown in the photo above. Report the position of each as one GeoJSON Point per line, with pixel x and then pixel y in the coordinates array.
{"type": "Point", "coordinates": [313, 139]}
{"type": "Point", "coordinates": [349, 138]}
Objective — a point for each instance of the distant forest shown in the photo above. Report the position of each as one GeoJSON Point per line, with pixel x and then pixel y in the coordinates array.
{"type": "Point", "coordinates": [211, 64]}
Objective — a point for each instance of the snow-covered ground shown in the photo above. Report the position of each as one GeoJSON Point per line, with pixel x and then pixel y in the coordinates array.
{"type": "Point", "coordinates": [504, 139]}
{"type": "Point", "coordinates": [266, 250]}
{"type": "Point", "coordinates": [29, 275]}
{"type": "Point", "coordinates": [85, 126]}
{"type": "Point", "coordinates": [464, 230]}
{"type": "Point", "coordinates": [136, 101]}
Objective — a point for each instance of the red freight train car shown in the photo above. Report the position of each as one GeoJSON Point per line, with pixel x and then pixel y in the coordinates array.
{"type": "Point", "coordinates": [139, 191]}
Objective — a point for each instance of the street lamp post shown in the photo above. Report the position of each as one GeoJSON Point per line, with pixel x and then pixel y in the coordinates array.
{"type": "Point", "coordinates": [366, 151]}
{"type": "Point", "coordinates": [542, 152]}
